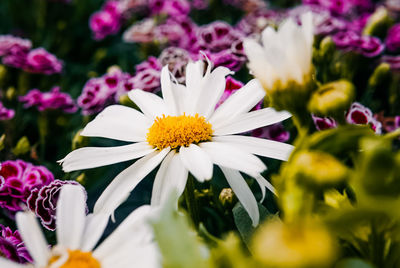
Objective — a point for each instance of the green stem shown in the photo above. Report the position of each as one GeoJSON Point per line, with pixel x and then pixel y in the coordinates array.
{"type": "Point", "coordinates": [191, 202]}
{"type": "Point", "coordinates": [43, 126]}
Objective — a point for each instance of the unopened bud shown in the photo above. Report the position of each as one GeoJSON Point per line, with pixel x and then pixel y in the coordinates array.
{"type": "Point", "coordinates": [227, 197]}
{"type": "Point", "coordinates": [23, 146]}
{"type": "Point", "coordinates": [380, 75]}
{"type": "Point", "coordinates": [378, 23]}
{"type": "Point", "coordinates": [332, 99]}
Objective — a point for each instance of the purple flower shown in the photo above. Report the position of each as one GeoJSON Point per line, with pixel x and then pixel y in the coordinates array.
{"type": "Point", "coordinates": [274, 132]}
{"type": "Point", "coordinates": [12, 246]}
{"type": "Point", "coordinates": [361, 115]}
{"type": "Point", "coordinates": [52, 100]}
{"type": "Point", "coordinates": [18, 179]}
{"type": "Point", "coordinates": [148, 74]}
{"type": "Point", "coordinates": [169, 7]}
{"type": "Point", "coordinates": [6, 114]}
{"type": "Point", "coordinates": [141, 32]}
{"type": "Point", "coordinates": [40, 61]}
{"type": "Point", "coordinates": [231, 86]}
{"type": "Point", "coordinates": [227, 59]}
{"type": "Point", "coordinates": [367, 46]}
{"type": "Point", "coordinates": [322, 123]}
{"type": "Point", "coordinates": [102, 91]}
{"type": "Point", "coordinates": [105, 22]}
{"type": "Point", "coordinates": [43, 202]}
{"type": "Point", "coordinates": [255, 22]}
{"type": "Point", "coordinates": [176, 58]}
{"type": "Point", "coordinates": [393, 38]}
{"type": "Point", "coordinates": [179, 31]}
{"type": "Point", "coordinates": [217, 36]}
{"type": "Point", "coordinates": [10, 43]}
{"type": "Point", "coordinates": [16, 58]}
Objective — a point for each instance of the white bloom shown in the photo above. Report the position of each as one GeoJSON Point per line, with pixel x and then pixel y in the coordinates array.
{"type": "Point", "coordinates": [285, 55]}
{"type": "Point", "coordinates": [130, 245]}
{"type": "Point", "coordinates": [184, 133]}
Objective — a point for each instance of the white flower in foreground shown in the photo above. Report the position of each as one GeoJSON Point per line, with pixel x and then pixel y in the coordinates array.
{"type": "Point", "coordinates": [130, 245]}
{"type": "Point", "coordinates": [184, 133]}
{"type": "Point", "coordinates": [283, 62]}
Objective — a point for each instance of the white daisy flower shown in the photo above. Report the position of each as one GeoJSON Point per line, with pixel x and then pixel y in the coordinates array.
{"type": "Point", "coordinates": [184, 133]}
{"type": "Point", "coordinates": [285, 55]}
{"type": "Point", "coordinates": [130, 245]}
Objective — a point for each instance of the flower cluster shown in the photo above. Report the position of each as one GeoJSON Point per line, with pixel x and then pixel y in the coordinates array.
{"type": "Point", "coordinates": [16, 52]}
{"type": "Point", "coordinates": [52, 100]}
{"type": "Point", "coordinates": [18, 180]}
{"type": "Point", "coordinates": [368, 46]}
{"type": "Point", "coordinates": [107, 21]}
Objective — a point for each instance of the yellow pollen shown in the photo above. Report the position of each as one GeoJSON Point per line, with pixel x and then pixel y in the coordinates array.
{"type": "Point", "coordinates": [176, 131]}
{"type": "Point", "coordinates": [78, 259]}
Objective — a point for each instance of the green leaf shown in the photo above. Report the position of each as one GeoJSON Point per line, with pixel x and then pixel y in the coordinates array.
{"type": "Point", "coordinates": [353, 263]}
{"type": "Point", "coordinates": [178, 242]}
{"type": "Point", "coordinates": [244, 223]}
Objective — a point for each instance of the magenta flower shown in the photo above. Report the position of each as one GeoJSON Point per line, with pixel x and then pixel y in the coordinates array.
{"type": "Point", "coordinates": [367, 46]}
{"type": "Point", "coordinates": [393, 61]}
{"type": "Point", "coordinates": [148, 74]}
{"type": "Point", "coordinates": [6, 114]}
{"type": "Point", "coordinates": [43, 202]}
{"type": "Point", "coordinates": [40, 61]}
{"type": "Point", "coordinates": [18, 179]}
{"type": "Point", "coordinates": [345, 40]}
{"type": "Point", "coordinates": [52, 100]}
{"type": "Point", "coordinates": [169, 7]}
{"type": "Point", "coordinates": [102, 91]}
{"type": "Point", "coordinates": [361, 115]}
{"type": "Point", "coordinates": [231, 86]}
{"type": "Point", "coordinates": [9, 43]}
{"type": "Point", "coordinates": [322, 123]}
{"type": "Point", "coordinates": [141, 32]}
{"type": "Point", "coordinates": [393, 38]}
{"type": "Point", "coordinates": [106, 21]}
{"type": "Point", "coordinates": [12, 247]}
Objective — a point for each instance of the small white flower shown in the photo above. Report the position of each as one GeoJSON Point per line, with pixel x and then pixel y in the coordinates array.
{"type": "Point", "coordinates": [184, 133]}
{"type": "Point", "coordinates": [285, 55]}
{"type": "Point", "coordinates": [130, 245]}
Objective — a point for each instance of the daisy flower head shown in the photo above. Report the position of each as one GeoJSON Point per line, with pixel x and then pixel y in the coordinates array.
{"type": "Point", "coordinates": [130, 245]}
{"type": "Point", "coordinates": [183, 132]}
{"type": "Point", "coordinates": [282, 62]}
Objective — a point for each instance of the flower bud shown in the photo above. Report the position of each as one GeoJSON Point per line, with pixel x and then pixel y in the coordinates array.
{"type": "Point", "coordinates": [305, 244]}
{"type": "Point", "coordinates": [23, 146]}
{"type": "Point", "coordinates": [227, 197]}
{"type": "Point", "coordinates": [380, 75]}
{"type": "Point", "coordinates": [332, 99]}
{"type": "Point", "coordinates": [318, 168]}
{"type": "Point", "coordinates": [378, 23]}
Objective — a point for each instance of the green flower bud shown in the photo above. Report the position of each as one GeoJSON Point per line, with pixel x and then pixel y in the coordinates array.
{"type": "Point", "coordinates": [227, 197]}
{"type": "Point", "coordinates": [380, 75]}
{"type": "Point", "coordinates": [327, 48]}
{"type": "Point", "coordinates": [318, 168]}
{"type": "Point", "coordinates": [332, 99]}
{"type": "Point", "coordinates": [378, 23]}
{"type": "Point", "coordinates": [11, 93]}
{"type": "Point", "coordinates": [23, 146]}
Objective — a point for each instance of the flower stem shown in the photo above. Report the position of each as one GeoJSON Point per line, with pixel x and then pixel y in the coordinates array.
{"type": "Point", "coordinates": [191, 202]}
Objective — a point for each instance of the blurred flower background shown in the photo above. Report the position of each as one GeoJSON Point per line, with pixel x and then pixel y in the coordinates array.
{"type": "Point", "coordinates": [334, 65]}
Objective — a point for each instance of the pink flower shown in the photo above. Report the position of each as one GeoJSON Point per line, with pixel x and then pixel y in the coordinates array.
{"type": "Point", "coordinates": [322, 123]}
{"type": "Point", "coordinates": [141, 32]}
{"type": "Point", "coordinates": [9, 43]}
{"type": "Point", "coordinates": [176, 59]}
{"type": "Point", "coordinates": [169, 7]}
{"type": "Point", "coordinates": [6, 114]}
{"type": "Point", "coordinates": [148, 74]}
{"type": "Point", "coordinates": [232, 85]}
{"type": "Point", "coordinates": [52, 100]}
{"type": "Point", "coordinates": [104, 23]}
{"type": "Point", "coordinates": [40, 61]}
{"type": "Point", "coordinates": [12, 247]}
{"type": "Point", "coordinates": [18, 179]}
{"type": "Point", "coordinates": [274, 132]}
{"type": "Point", "coordinates": [43, 202]}
{"type": "Point", "coordinates": [361, 115]}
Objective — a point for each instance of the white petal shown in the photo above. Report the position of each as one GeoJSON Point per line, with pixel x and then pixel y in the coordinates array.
{"type": "Point", "coordinates": [181, 97]}
{"type": "Point", "coordinates": [258, 63]}
{"type": "Point", "coordinates": [90, 157]}
{"type": "Point", "coordinates": [197, 162]}
{"type": "Point", "coordinates": [263, 183]}
{"type": "Point", "coordinates": [150, 104]}
{"type": "Point", "coordinates": [120, 123]}
{"type": "Point", "coordinates": [194, 84]}
{"type": "Point", "coordinates": [33, 238]}
{"type": "Point", "coordinates": [213, 87]}
{"type": "Point", "coordinates": [134, 227]}
{"type": "Point", "coordinates": [171, 176]}
{"type": "Point", "coordinates": [258, 146]}
{"type": "Point", "coordinates": [240, 102]}
{"type": "Point", "coordinates": [70, 216]}
{"type": "Point", "coordinates": [10, 264]}
{"type": "Point", "coordinates": [243, 193]}
{"type": "Point", "coordinates": [229, 156]}
{"type": "Point", "coordinates": [119, 189]}
{"type": "Point", "coordinates": [252, 120]}
{"type": "Point", "coordinates": [167, 92]}
{"type": "Point", "coordinates": [94, 228]}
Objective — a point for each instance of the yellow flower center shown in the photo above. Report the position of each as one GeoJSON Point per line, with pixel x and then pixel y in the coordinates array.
{"type": "Point", "coordinates": [176, 131]}
{"type": "Point", "coordinates": [78, 259]}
